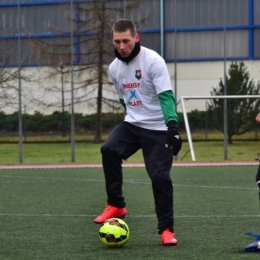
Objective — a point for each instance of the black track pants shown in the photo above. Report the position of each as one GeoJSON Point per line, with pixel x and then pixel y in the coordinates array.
{"type": "Point", "coordinates": [124, 140]}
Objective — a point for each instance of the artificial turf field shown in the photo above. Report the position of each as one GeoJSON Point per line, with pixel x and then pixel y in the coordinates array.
{"type": "Point", "coordinates": [48, 214]}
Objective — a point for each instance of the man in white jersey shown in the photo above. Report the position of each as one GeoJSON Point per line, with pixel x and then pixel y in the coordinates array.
{"type": "Point", "coordinates": [143, 85]}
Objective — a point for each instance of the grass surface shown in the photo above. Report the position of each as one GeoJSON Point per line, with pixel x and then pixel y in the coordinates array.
{"type": "Point", "coordinates": [48, 214]}
{"type": "Point", "coordinates": [58, 153]}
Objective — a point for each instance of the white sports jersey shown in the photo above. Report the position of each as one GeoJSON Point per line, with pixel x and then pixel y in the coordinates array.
{"type": "Point", "coordinates": [138, 83]}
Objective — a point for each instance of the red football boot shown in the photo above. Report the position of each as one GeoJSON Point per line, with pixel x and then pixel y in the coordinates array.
{"type": "Point", "coordinates": [168, 238]}
{"type": "Point", "coordinates": [110, 212]}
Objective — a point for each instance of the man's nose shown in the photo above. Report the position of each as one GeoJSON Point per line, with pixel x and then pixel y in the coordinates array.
{"type": "Point", "coordinates": [121, 46]}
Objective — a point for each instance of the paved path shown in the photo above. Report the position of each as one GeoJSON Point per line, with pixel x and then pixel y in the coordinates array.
{"type": "Point", "coordinates": [175, 164]}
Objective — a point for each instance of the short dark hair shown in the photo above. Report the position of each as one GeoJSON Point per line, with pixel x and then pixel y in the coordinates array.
{"type": "Point", "coordinates": [124, 25]}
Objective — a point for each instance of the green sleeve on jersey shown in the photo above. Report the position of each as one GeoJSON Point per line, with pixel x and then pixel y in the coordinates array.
{"type": "Point", "coordinates": [123, 103]}
{"type": "Point", "coordinates": [167, 102]}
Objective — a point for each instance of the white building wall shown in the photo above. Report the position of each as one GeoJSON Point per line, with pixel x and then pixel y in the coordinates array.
{"type": "Point", "coordinates": [193, 79]}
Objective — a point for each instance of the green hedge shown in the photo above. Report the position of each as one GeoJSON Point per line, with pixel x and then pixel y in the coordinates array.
{"type": "Point", "coordinates": [39, 122]}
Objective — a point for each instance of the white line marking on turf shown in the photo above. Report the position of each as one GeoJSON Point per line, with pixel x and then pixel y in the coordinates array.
{"type": "Point", "coordinates": [50, 178]}
{"type": "Point", "coordinates": [127, 181]}
{"type": "Point", "coordinates": [129, 216]}
{"type": "Point", "coordinates": [215, 187]}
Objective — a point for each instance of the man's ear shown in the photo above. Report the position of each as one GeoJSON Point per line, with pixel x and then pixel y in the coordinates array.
{"type": "Point", "coordinates": [137, 37]}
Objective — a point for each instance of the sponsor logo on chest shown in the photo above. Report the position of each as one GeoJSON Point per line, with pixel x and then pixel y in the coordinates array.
{"type": "Point", "coordinates": [132, 91]}
{"type": "Point", "coordinates": [131, 85]}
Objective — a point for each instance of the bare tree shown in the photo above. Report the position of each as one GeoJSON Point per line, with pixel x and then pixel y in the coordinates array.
{"type": "Point", "coordinates": [92, 35]}
{"type": "Point", "coordinates": [9, 75]}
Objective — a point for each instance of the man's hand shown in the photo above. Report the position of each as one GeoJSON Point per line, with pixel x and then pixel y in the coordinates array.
{"type": "Point", "coordinates": [174, 139]}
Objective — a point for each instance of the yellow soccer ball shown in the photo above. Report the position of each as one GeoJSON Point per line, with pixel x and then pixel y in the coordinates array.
{"type": "Point", "coordinates": [114, 232]}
